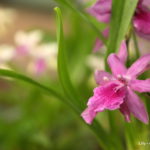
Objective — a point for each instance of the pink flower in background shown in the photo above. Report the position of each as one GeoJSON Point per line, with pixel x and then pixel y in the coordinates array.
{"type": "Point", "coordinates": [141, 19]}
{"type": "Point", "coordinates": [101, 10]}
{"type": "Point", "coordinates": [117, 90]}
{"type": "Point", "coordinates": [33, 55]}
{"type": "Point", "coordinates": [40, 66]}
{"type": "Point", "coordinates": [99, 43]}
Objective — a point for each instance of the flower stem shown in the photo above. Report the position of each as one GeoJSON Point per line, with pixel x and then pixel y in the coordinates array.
{"type": "Point", "coordinates": [136, 46]}
{"type": "Point", "coordinates": [128, 58]}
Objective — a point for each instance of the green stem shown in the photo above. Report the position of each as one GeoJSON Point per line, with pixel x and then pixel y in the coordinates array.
{"type": "Point", "coordinates": [128, 58]}
{"type": "Point", "coordinates": [136, 46]}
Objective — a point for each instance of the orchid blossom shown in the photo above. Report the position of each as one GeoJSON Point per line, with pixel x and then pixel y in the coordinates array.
{"type": "Point", "coordinates": [141, 19]}
{"type": "Point", "coordinates": [101, 10]}
{"type": "Point", "coordinates": [117, 90]}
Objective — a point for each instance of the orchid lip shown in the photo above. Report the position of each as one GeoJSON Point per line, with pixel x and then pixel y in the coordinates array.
{"type": "Point", "coordinates": [123, 79]}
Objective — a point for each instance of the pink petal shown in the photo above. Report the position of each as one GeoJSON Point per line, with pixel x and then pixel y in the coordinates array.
{"type": "Point", "coordinates": [101, 10]}
{"type": "Point", "coordinates": [105, 97]}
{"type": "Point", "coordinates": [146, 3]}
{"type": "Point", "coordinates": [143, 35]}
{"type": "Point", "coordinates": [102, 6]}
{"type": "Point", "coordinates": [88, 115]}
{"type": "Point", "coordinates": [140, 85]}
{"type": "Point", "coordinates": [104, 18]}
{"type": "Point", "coordinates": [123, 52]}
{"type": "Point", "coordinates": [141, 22]}
{"type": "Point", "coordinates": [136, 107]}
{"type": "Point", "coordinates": [116, 66]}
{"type": "Point", "coordinates": [102, 77]}
{"type": "Point", "coordinates": [125, 111]}
{"type": "Point", "coordinates": [140, 66]}
{"type": "Point", "coordinates": [99, 43]}
{"type": "Point", "coordinates": [22, 50]}
{"type": "Point", "coordinates": [40, 66]}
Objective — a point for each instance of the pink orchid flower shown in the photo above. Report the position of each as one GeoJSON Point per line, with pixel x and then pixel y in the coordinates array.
{"type": "Point", "coordinates": [101, 10]}
{"type": "Point", "coordinates": [141, 19]}
{"type": "Point", "coordinates": [117, 90]}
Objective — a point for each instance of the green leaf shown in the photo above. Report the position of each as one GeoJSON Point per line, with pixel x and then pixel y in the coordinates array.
{"type": "Point", "coordinates": [122, 12]}
{"type": "Point", "coordinates": [68, 87]}
{"type": "Point", "coordinates": [45, 89]}
{"type": "Point", "coordinates": [14, 75]}
{"type": "Point", "coordinates": [85, 17]}
{"type": "Point", "coordinates": [63, 73]}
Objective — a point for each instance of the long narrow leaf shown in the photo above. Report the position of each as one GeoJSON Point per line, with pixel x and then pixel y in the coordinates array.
{"type": "Point", "coordinates": [84, 17]}
{"type": "Point", "coordinates": [68, 87]}
{"type": "Point", "coordinates": [63, 74]}
{"type": "Point", "coordinates": [14, 75]}
{"type": "Point", "coordinates": [45, 89]}
{"type": "Point", "coordinates": [122, 12]}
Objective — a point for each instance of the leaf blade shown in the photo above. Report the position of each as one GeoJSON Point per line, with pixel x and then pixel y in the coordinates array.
{"type": "Point", "coordinates": [14, 75]}
{"type": "Point", "coordinates": [85, 18]}
{"type": "Point", "coordinates": [63, 73]}
{"type": "Point", "coordinates": [122, 12]}
{"type": "Point", "coordinates": [69, 88]}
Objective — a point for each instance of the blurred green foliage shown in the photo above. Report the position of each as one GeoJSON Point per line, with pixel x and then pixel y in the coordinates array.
{"type": "Point", "coordinates": [31, 120]}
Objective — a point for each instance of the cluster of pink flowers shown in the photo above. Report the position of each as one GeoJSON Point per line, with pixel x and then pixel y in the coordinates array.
{"type": "Point", "coordinates": [101, 10]}
{"type": "Point", "coordinates": [116, 90]}
{"type": "Point", "coordinates": [30, 54]}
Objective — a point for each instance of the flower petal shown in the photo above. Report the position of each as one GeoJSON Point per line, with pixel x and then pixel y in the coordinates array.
{"type": "Point", "coordinates": [125, 111]}
{"type": "Point", "coordinates": [116, 66]}
{"type": "Point", "coordinates": [123, 52]}
{"type": "Point", "coordinates": [105, 97]}
{"type": "Point", "coordinates": [136, 107]}
{"type": "Point", "coordinates": [101, 10]}
{"type": "Point", "coordinates": [88, 115]}
{"type": "Point", "coordinates": [40, 66]}
{"type": "Point", "coordinates": [140, 85]}
{"type": "Point", "coordinates": [141, 21]}
{"type": "Point", "coordinates": [99, 43]}
{"type": "Point", "coordinates": [109, 96]}
{"type": "Point", "coordinates": [146, 3]}
{"type": "Point", "coordinates": [140, 66]}
{"type": "Point", "coordinates": [102, 77]}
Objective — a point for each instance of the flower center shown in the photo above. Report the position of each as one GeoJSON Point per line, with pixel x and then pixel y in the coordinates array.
{"type": "Point", "coordinates": [123, 79]}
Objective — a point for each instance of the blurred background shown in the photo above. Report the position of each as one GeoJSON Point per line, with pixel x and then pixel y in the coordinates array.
{"type": "Point", "coordinates": [30, 120]}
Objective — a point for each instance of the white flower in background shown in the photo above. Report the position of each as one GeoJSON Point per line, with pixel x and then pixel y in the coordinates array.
{"type": "Point", "coordinates": [36, 56]}
{"type": "Point", "coordinates": [143, 45]}
{"type": "Point", "coordinates": [95, 62]}
{"type": "Point", "coordinates": [45, 50]}
{"type": "Point", "coordinates": [7, 18]}
{"type": "Point", "coordinates": [44, 57]}
{"type": "Point", "coordinates": [27, 41]}
{"type": "Point", "coordinates": [6, 55]}
{"type": "Point", "coordinates": [30, 54]}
